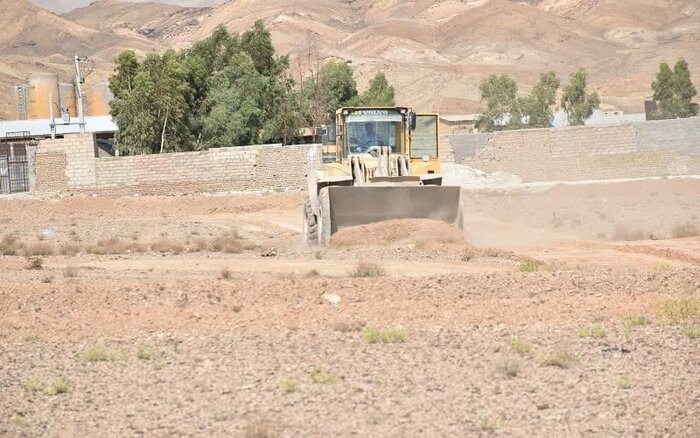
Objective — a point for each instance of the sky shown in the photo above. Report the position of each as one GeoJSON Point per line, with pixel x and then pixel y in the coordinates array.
{"type": "Point", "coordinates": [62, 6]}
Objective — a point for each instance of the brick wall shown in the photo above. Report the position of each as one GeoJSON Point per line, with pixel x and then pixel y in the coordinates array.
{"type": "Point", "coordinates": [70, 165]}
{"type": "Point", "coordinates": [658, 148]}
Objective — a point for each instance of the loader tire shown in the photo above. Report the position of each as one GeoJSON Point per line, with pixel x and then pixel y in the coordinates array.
{"type": "Point", "coordinates": [310, 223]}
{"type": "Point", "coordinates": [324, 224]}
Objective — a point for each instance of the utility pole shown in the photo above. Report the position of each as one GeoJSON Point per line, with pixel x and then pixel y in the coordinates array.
{"type": "Point", "coordinates": [79, 91]}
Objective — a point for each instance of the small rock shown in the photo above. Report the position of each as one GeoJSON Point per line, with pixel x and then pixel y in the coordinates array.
{"type": "Point", "coordinates": [542, 406]}
{"type": "Point", "coordinates": [272, 252]}
{"type": "Point", "coordinates": [47, 234]}
{"type": "Point", "coordinates": [331, 298]}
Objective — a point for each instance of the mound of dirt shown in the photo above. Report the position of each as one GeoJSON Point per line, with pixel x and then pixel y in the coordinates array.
{"type": "Point", "coordinates": [399, 231]}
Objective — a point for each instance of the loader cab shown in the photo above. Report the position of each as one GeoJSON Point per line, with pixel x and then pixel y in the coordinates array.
{"type": "Point", "coordinates": [362, 129]}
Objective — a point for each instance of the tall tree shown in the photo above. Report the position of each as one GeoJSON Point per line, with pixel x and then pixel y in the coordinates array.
{"type": "Point", "coordinates": [500, 93]}
{"type": "Point", "coordinates": [537, 107]}
{"type": "Point", "coordinates": [379, 93]}
{"type": "Point", "coordinates": [674, 91]}
{"type": "Point", "coordinates": [577, 102]}
{"type": "Point", "coordinates": [332, 87]}
{"type": "Point", "coordinates": [127, 66]}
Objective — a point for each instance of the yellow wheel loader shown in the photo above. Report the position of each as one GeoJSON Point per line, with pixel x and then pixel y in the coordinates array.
{"type": "Point", "coordinates": [381, 164]}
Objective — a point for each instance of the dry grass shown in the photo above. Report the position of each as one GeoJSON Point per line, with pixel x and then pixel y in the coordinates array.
{"type": "Point", "coordinates": [320, 377]}
{"type": "Point", "coordinates": [365, 269]}
{"type": "Point", "coordinates": [70, 272]}
{"type": "Point", "coordinates": [376, 335]}
{"type": "Point", "coordinates": [35, 264]}
{"type": "Point", "coordinates": [167, 246]}
{"type": "Point", "coordinates": [693, 332]}
{"type": "Point", "coordinates": [592, 332]}
{"type": "Point", "coordinates": [47, 279]}
{"type": "Point", "coordinates": [225, 274]}
{"type": "Point", "coordinates": [144, 353]}
{"type": "Point", "coordinates": [349, 326]}
{"type": "Point", "coordinates": [58, 386]}
{"type": "Point", "coordinates": [490, 424]}
{"type": "Point", "coordinates": [560, 359]}
{"type": "Point", "coordinates": [114, 245]}
{"type": "Point", "coordinates": [98, 353]}
{"type": "Point", "coordinates": [69, 249]}
{"type": "Point", "coordinates": [10, 245]}
{"type": "Point", "coordinates": [530, 265]}
{"type": "Point", "coordinates": [228, 244]}
{"type": "Point", "coordinates": [520, 346]}
{"type": "Point", "coordinates": [628, 233]}
{"type": "Point", "coordinates": [509, 366]}
{"type": "Point", "coordinates": [680, 309]}
{"type": "Point", "coordinates": [38, 249]}
{"type": "Point", "coordinates": [289, 386]}
{"type": "Point", "coordinates": [631, 324]}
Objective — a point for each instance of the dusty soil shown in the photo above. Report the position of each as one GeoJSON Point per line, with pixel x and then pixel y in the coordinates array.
{"type": "Point", "coordinates": [212, 318]}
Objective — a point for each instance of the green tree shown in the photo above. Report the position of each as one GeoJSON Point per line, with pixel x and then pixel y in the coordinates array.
{"type": "Point", "coordinates": [127, 66]}
{"type": "Point", "coordinates": [674, 92]}
{"type": "Point", "coordinates": [500, 93]}
{"type": "Point", "coordinates": [332, 87]}
{"type": "Point", "coordinates": [576, 102]}
{"type": "Point", "coordinates": [152, 116]}
{"type": "Point", "coordinates": [379, 93]}
{"type": "Point", "coordinates": [537, 107]}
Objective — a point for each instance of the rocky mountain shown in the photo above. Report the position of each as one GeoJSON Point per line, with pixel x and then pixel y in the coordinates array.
{"type": "Point", "coordinates": [435, 52]}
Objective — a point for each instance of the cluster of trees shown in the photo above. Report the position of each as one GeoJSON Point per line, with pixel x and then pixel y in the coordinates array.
{"type": "Point", "coordinates": [227, 90]}
{"type": "Point", "coordinates": [674, 92]}
{"type": "Point", "coordinates": [506, 110]}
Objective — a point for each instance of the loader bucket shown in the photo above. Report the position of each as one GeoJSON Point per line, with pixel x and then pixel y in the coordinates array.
{"type": "Point", "coordinates": [350, 206]}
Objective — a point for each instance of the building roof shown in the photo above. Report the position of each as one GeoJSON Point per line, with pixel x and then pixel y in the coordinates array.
{"type": "Point", "coordinates": [42, 127]}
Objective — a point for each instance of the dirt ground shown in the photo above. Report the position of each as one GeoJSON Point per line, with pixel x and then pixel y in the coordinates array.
{"type": "Point", "coordinates": [569, 311]}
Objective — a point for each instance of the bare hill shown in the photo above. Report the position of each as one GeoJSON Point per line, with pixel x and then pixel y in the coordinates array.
{"type": "Point", "coordinates": [435, 52]}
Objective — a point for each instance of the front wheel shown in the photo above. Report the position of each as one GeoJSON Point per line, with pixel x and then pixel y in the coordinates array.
{"type": "Point", "coordinates": [310, 223]}
{"type": "Point", "coordinates": [324, 224]}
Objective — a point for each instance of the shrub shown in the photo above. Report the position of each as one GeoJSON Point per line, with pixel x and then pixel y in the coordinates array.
{"type": "Point", "coordinates": [365, 269]}
{"type": "Point", "coordinates": [38, 249]}
{"type": "Point", "coordinates": [227, 244]}
{"type": "Point", "coordinates": [70, 272]}
{"type": "Point", "coordinates": [321, 377]}
{"type": "Point", "coordinates": [561, 359]}
{"type": "Point", "coordinates": [693, 332]}
{"type": "Point", "coordinates": [530, 265]}
{"type": "Point", "coordinates": [69, 249]}
{"type": "Point", "coordinates": [10, 245]}
{"type": "Point", "coordinates": [509, 367]}
{"type": "Point", "coordinates": [35, 264]}
{"type": "Point", "coordinates": [680, 309]}
{"type": "Point", "coordinates": [520, 346]}
{"type": "Point", "coordinates": [630, 324]}
{"type": "Point", "coordinates": [59, 386]}
{"type": "Point", "coordinates": [592, 332]}
{"type": "Point", "coordinates": [225, 274]}
{"type": "Point", "coordinates": [144, 353]}
{"type": "Point", "coordinates": [166, 246]}
{"type": "Point", "coordinates": [394, 335]}
{"type": "Point", "coordinates": [348, 326]}
{"type": "Point", "coordinates": [289, 386]}
{"type": "Point", "coordinates": [97, 353]}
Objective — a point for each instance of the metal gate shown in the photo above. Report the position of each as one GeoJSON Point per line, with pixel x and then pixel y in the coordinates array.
{"type": "Point", "coordinates": [14, 174]}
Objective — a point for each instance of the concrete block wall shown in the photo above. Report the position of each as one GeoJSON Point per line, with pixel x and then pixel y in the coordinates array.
{"type": "Point", "coordinates": [70, 165]}
{"type": "Point", "coordinates": [65, 164]}
{"type": "Point", "coordinates": [659, 148]}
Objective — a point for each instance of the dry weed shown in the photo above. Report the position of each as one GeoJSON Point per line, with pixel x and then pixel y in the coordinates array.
{"type": "Point", "coordinates": [70, 272]}
{"type": "Point", "coordinates": [10, 245]}
{"type": "Point", "coordinates": [560, 359]}
{"type": "Point", "coordinates": [36, 264]}
{"type": "Point", "coordinates": [227, 244]}
{"type": "Point", "coordinates": [365, 269]}
{"type": "Point", "coordinates": [167, 246]}
{"type": "Point", "coordinates": [38, 249]}
{"type": "Point", "coordinates": [680, 309]}
{"type": "Point", "coordinates": [69, 249]}
{"type": "Point", "coordinates": [520, 346]}
{"type": "Point", "coordinates": [394, 335]}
